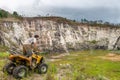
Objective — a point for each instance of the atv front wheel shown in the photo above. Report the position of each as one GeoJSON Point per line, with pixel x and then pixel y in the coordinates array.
{"type": "Point", "coordinates": [9, 68]}
{"type": "Point", "coordinates": [20, 72]}
{"type": "Point", "coordinates": [42, 68]}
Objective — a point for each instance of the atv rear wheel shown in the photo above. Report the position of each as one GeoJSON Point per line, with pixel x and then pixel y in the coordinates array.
{"type": "Point", "coordinates": [20, 72]}
{"type": "Point", "coordinates": [42, 68]}
{"type": "Point", "coordinates": [9, 68]}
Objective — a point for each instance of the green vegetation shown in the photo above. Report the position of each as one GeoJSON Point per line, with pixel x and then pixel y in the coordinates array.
{"type": "Point", "coordinates": [3, 14]}
{"type": "Point", "coordinates": [6, 14]}
{"type": "Point", "coordinates": [99, 23]}
{"type": "Point", "coordinates": [83, 66]}
{"type": "Point", "coordinates": [3, 48]}
{"type": "Point", "coordinates": [93, 42]}
{"type": "Point", "coordinates": [15, 14]}
{"type": "Point", "coordinates": [4, 54]}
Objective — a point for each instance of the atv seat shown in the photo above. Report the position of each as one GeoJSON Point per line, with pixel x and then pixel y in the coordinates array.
{"type": "Point", "coordinates": [27, 50]}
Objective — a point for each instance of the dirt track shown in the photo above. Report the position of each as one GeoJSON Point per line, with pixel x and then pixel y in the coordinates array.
{"type": "Point", "coordinates": [111, 56]}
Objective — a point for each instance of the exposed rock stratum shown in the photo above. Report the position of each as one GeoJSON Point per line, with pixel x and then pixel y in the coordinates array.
{"type": "Point", "coordinates": [59, 37]}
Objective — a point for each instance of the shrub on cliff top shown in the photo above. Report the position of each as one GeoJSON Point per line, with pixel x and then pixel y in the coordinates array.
{"type": "Point", "coordinates": [3, 14]}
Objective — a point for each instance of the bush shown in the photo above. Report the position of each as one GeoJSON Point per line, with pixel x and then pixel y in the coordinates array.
{"type": "Point", "coordinates": [3, 55]}
{"type": "Point", "coordinates": [15, 14]}
{"type": "Point", "coordinates": [93, 41]}
{"type": "Point", "coordinates": [3, 14]}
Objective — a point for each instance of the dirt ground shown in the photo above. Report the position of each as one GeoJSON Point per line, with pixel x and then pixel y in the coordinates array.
{"type": "Point", "coordinates": [111, 56]}
{"type": "Point", "coordinates": [57, 57]}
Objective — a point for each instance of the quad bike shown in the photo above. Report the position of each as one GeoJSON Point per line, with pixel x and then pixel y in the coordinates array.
{"type": "Point", "coordinates": [19, 65]}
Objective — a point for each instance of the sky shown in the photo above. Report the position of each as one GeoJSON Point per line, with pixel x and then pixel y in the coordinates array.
{"type": "Point", "coordinates": [106, 10]}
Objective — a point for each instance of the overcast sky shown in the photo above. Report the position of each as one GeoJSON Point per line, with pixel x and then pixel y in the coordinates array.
{"type": "Point", "coordinates": [106, 10]}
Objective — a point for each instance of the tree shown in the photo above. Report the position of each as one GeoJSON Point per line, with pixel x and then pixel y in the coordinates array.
{"type": "Point", "coordinates": [0, 15]}
{"type": "Point", "coordinates": [85, 20]}
{"type": "Point", "coordinates": [100, 21]}
{"type": "Point", "coordinates": [74, 20]}
{"type": "Point", "coordinates": [3, 14]}
{"type": "Point", "coordinates": [107, 23]}
{"type": "Point", "coordinates": [15, 14]}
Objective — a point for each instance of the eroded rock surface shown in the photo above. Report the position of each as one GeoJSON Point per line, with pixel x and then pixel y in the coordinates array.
{"type": "Point", "coordinates": [59, 37]}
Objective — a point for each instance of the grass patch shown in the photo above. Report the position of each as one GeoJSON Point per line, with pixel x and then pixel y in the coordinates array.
{"type": "Point", "coordinates": [86, 65]}
{"type": "Point", "coordinates": [3, 48]}
{"type": "Point", "coordinates": [4, 54]}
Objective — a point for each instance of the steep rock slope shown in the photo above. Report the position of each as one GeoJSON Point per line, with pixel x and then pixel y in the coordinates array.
{"type": "Point", "coordinates": [59, 36]}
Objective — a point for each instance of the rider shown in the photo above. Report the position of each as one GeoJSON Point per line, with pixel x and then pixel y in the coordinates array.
{"type": "Point", "coordinates": [30, 46]}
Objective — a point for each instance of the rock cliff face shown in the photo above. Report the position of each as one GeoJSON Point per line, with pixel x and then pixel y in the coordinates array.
{"type": "Point", "coordinates": [59, 37]}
